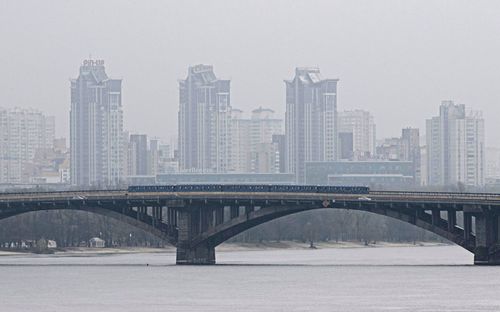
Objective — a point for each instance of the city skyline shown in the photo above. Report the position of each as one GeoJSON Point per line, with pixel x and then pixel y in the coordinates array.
{"type": "Point", "coordinates": [217, 138]}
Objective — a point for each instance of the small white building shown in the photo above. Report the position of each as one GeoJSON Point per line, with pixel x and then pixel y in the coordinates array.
{"type": "Point", "coordinates": [51, 244]}
{"type": "Point", "coordinates": [96, 242]}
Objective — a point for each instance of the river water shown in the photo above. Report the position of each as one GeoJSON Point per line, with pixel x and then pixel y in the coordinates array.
{"type": "Point", "coordinates": [438, 278]}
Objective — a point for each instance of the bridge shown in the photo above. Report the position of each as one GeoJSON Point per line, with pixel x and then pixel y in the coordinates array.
{"type": "Point", "coordinates": [196, 222]}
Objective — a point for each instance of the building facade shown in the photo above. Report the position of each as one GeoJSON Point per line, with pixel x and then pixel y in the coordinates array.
{"type": "Point", "coordinates": [360, 125]}
{"type": "Point", "coordinates": [252, 146]}
{"type": "Point", "coordinates": [138, 154]}
{"type": "Point", "coordinates": [96, 127]}
{"type": "Point", "coordinates": [167, 163]}
{"type": "Point", "coordinates": [382, 175]}
{"type": "Point", "coordinates": [455, 146]}
{"type": "Point", "coordinates": [240, 149]}
{"type": "Point", "coordinates": [311, 120]}
{"type": "Point", "coordinates": [24, 133]}
{"type": "Point", "coordinates": [410, 150]}
{"type": "Point", "coordinates": [279, 143]}
{"type": "Point", "coordinates": [204, 121]}
{"type": "Point", "coordinates": [492, 166]}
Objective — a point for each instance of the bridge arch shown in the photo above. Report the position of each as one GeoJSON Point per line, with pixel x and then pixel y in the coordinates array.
{"type": "Point", "coordinates": [121, 217]}
{"type": "Point", "coordinates": [221, 233]}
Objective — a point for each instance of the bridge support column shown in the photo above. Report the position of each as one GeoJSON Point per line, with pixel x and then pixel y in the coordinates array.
{"type": "Point", "coordinates": [235, 212]}
{"type": "Point", "coordinates": [487, 251]}
{"type": "Point", "coordinates": [219, 215]}
{"type": "Point", "coordinates": [467, 227]}
{"type": "Point", "coordinates": [186, 254]}
{"type": "Point", "coordinates": [436, 217]}
{"type": "Point", "coordinates": [452, 220]}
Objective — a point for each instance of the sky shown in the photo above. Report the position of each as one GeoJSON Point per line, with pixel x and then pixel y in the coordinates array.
{"type": "Point", "coordinates": [396, 59]}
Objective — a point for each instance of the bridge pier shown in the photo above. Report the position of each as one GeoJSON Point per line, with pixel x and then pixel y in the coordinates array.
{"type": "Point", "coordinates": [487, 250]}
{"type": "Point", "coordinates": [188, 224]}
{"type": "Point", "coordinates": [452, 220]}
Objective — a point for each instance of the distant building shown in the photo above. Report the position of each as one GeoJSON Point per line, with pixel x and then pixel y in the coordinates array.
{"type": "Point", "coordinates": [455, 146]}
{"type": "Point", "coordinates": [243, 178]}
{"type": "Point", "coordinates": [50, 165]}
{"type": "Point", "coordinates": [311, 120]}
{"type": "Point", "coordinates": [96, 242]}
{"type": "Point", "coordinates": [141, 180]}
{"type": "Point", "coordinates": [346, 145]}
{"type": "Point", "coordinates": [138, 154]}
{"type": "Point", "coordinates": [279, 144]}
{"type": "Point", "coordinates": [492, 170]}
{"type": "Point", "coordinates": [96, 127]}
{"type": "Point", "coordinates": [264, 155]}
{"type": "Point", "coordinates": [240, 148]}
{"type": "Point", "coordinates": [377, 174]}
{"type": "Point", "coordinates": [167, 163]}
{"type": "Point", "coordinates": [410, 150]}
{"type": "Point", "coordinates": [153, 157]}
{"type": "Point", "coordinates": [148, 157]}
{"type": "Point", "coordinates": [204, 121]}
{"type": "Point", "coordinates": [360, 125]}
{"type": "Point", "coordinates": [404, 148]}
{"type": "Point", "coordinates": [23, 134]}
{"type": "Point", "coordinates": [252, 147]}
{"type": "Point", "coordinates": [389, 149]}
{"type": "Point", "coordinates": [424, 176]}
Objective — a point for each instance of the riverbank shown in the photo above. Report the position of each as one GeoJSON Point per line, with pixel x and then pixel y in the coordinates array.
{"type": "Point", "coordinates": [318, 245]}
{"type": "Point", "coordinates": [226, 247]}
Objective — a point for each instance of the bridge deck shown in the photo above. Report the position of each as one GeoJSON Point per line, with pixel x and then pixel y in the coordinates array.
{"type": "Point", "coordinates": [377, 196]}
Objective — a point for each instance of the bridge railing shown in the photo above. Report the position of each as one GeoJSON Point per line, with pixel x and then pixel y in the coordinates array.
{"type": "Point", "coordinates": [450, 195]}
{"type": "Point", "coordinates": [61, 195]}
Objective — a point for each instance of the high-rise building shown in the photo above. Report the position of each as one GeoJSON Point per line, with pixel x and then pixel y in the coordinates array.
{"type": "Point", "coordinates": [240, 148]}
{"type": "Point", "coordinates": [279, 143]}
{"type": "Point", "coordinates": [311, 120]}
{"type": "Point", "coordinates": [138, 155]}
{"type": "Point", "coordinates": [492, 166]}
{"type": "Point", "coordinates": [265, 156]}
{"type": "Point", "coordinates": [362, 127]}
{"type": "Point", "coordinates": [410, 150]}
{"type": "Point", "coordinates": [455, 146]}
{"type": "Point", "coordinates": [346, 145]}
{"type": "Point", "coordinates": [153, 157]}
{"type": "Point", "coordinates": [204, 117]}
{"type": "Point", "coordinates": [23, 132]}
{"type": "Point", "coordinates": [252, 147]}
{"type": "Point", "coordinates": [96, 127]}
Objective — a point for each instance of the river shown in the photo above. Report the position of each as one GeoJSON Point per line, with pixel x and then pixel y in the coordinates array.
{"type": "Point", "coordinates": [438, 278]}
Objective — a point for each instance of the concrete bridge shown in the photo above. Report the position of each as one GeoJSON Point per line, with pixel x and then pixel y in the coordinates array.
{"type": "Point", "coordinates": [196, 222]}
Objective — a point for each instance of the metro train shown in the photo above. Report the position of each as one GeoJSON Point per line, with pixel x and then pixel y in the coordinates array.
{"type": "Point", "coordinates": [250, 188]}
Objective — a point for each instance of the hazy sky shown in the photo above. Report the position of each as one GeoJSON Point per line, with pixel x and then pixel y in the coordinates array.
{"type": "Point", "coordinates": [397, 59]}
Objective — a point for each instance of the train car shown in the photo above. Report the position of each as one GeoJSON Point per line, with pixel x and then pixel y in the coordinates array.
{"type": "Point", "coordinates": [231, 188]}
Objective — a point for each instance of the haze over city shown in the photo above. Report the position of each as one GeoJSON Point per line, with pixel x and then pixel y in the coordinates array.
{"type": "Point", "coordinates": [331, 155]}
{"type": "Point", "coordinates": [397, 60]}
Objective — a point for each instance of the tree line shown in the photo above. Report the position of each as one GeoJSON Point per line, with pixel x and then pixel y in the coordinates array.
{"type": "Point", "coordinates": [74, 228]}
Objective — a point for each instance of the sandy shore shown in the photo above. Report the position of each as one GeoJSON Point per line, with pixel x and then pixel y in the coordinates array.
{"type": "Point", "coordinates": [227, 247]}
{"type": "Point", "coordinates": [318, 245]}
